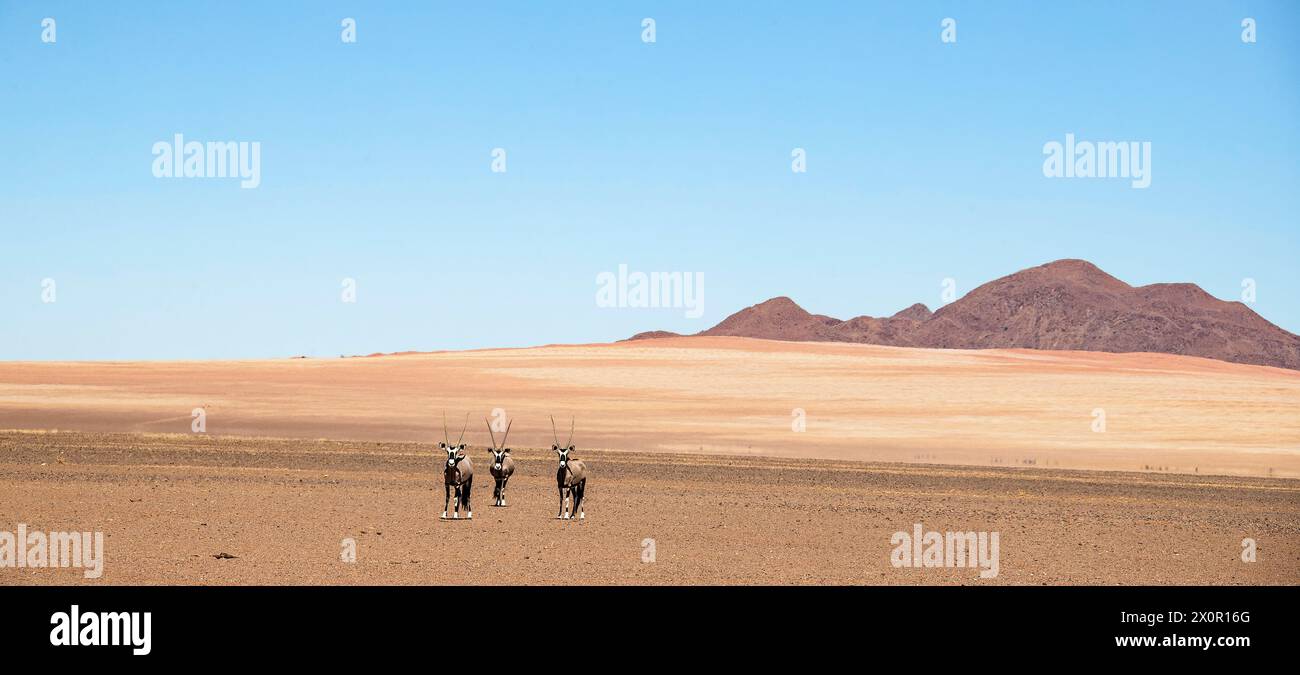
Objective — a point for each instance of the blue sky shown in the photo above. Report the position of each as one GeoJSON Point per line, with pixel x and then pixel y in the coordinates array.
{"type": "Point", "coordinates": [924, 163]}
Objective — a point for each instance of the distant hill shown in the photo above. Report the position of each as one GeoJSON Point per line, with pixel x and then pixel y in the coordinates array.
{"type": "Point", "coordinates": [1067, 304]}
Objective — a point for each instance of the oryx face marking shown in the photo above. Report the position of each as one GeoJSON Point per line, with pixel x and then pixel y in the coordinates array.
{"type": "Point", "coordinates": [452, 452]}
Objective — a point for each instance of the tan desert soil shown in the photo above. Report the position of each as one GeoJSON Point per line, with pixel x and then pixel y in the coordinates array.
{"type": "Point", "coordinates": [169, 503]}
{"type": "Point", "coordinates": [720, 396]}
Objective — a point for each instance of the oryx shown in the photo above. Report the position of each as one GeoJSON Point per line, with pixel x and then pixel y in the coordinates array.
{"type": "Point", "coordinates": [457, 473]}
{"type": "Point", "coordinates": [570, 477]}
{"type": "Point", "coordinates": [503, 466]}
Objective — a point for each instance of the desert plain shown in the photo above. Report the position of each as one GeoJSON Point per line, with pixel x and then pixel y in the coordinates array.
{"type": "Point", "coordinates": [714, 460]}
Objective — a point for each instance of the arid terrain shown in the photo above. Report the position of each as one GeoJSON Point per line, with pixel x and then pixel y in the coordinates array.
{"type": "Point", "coordinates": [168, 504]}
{"type": "Point", "coordinates": [718, 395]}
{"type": "Point", "coordinates": [692, 443]}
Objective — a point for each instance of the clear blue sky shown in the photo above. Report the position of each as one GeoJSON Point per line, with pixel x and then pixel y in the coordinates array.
{"type": "Point", "coordinates": [924, 162]}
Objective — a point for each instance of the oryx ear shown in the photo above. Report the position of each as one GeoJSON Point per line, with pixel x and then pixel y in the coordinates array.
{"type": "Point", "coordinates": [555, 447]}
{"type": "Point", "coordinates": [462, 447]}
{"type": "Point", "coordinates": [442, 445]}
{"type": "Point", "coordinates": [505, 450]}
{"type": "Point", "coordinates": [571, 448]}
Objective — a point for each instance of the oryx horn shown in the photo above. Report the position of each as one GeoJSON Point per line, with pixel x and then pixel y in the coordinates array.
{"type": "Point", "coordinates": [494, 436]}
{"type": "Point", "coordinates": [462, 430]}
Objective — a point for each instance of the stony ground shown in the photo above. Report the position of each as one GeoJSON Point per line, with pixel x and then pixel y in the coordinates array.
{"type": "Point", "coordinates": [169, 504]}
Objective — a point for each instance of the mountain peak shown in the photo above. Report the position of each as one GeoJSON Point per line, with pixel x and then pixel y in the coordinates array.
{"type": "Point", "coordinates": [652, 334]}
{"type": "Point", "coordinates": [1068, 304]}
{"type": "Point", "coordinates": [778, 318]}
{"type": "Point", "coordinates": [1073, 269]}
{"type": "Point", "coordinates": [1071, 264]}
{"type": "Point", "coordinates": [779, 303]}
{"type": "Point", "coordinates": [917, 312]}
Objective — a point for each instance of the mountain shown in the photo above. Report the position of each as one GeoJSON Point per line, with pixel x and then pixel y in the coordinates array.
{"type": "Point", "coordinates": [1067, 304]}
{"type": "Point", "coordinates": [777, 319]}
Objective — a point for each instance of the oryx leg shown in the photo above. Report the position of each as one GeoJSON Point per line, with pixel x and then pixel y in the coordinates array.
{"type": "Point", "coordinates": [503, 489]}
{"type": "Point", "coordinates": [446, 499]}
{"type": "Point", "coordinates": [579, 491]}
{"type": "Point", "coordinates": [561, 513]}
{"type": "Point", "coordinates": [465, 495]}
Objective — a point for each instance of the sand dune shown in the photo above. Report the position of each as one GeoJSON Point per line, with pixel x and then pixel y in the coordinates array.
{"type": "Point", "coordinates": [718, 395]}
